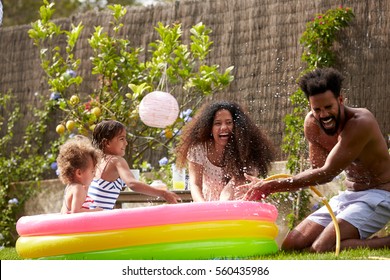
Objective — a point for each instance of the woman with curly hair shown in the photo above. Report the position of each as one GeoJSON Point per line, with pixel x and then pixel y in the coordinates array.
{"type": "Point", "coordinates": [219, 145]}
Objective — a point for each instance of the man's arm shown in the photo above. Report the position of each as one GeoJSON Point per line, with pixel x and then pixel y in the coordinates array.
{"type": "Point", "coordinates": [351, 143]}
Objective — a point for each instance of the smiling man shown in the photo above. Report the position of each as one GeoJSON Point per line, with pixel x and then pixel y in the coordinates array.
{"type": "Point", "coordinates": [340, 138]}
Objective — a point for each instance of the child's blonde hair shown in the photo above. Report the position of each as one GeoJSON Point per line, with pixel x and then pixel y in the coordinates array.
{"type": "Point", "coordinates": [73, 155]}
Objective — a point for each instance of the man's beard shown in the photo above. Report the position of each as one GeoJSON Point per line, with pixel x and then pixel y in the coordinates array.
{"type": "Point", "coordinates": [331, 131]}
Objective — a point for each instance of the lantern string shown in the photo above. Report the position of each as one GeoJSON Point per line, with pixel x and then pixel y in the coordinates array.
{"type": "Point", "coordinates": [163, 80]}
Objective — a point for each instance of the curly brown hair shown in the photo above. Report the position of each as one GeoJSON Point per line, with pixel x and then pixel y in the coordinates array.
{"type": "Point", "coordinates": [320, 80]}
{"type": "Point", "coordinates": [248, 151]}
{"type": "Point", "coordinates": [73, 155]}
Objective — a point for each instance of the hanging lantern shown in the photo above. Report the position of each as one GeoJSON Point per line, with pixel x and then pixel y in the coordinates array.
{"type": "Point", "coordinates": [158, 109]}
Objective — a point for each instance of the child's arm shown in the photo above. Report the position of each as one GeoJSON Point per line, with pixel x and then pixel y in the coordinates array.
{"type": "Point", "coordinates": [78, 198]}
{"type": "Point", "coordinates": [127, 176]}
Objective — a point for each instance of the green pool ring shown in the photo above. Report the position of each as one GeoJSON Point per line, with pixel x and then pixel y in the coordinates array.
{"type": "Point", "coordinates": [232, 248]}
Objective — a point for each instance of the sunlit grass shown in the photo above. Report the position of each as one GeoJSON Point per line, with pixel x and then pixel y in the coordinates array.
{"type": "Point", "coordinates": [9, 253]}
{"type": "Point", "coordinates": [357, 254]}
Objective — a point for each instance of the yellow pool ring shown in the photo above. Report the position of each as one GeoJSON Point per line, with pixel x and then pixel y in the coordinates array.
{"type": "Point", "coordinates": [52, 245]}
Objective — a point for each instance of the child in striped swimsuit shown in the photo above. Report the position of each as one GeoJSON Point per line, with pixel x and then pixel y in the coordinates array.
{"type": "Point", "coordinates": [113, 171]}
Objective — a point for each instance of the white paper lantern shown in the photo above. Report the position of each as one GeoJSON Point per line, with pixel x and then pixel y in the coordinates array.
{"type": "Point", "coordinates": [158, 109]}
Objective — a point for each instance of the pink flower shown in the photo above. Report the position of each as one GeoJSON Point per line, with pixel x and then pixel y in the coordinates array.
{"type": "Point", "coordinates": [88, 106]}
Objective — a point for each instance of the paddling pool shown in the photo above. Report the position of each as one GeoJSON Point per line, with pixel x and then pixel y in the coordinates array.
{"type": "Point", "coordinates": [187, 231]}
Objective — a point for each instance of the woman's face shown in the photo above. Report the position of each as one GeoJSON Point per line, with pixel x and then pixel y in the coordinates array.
{"type": "Point", "coordinates": [222, 127]}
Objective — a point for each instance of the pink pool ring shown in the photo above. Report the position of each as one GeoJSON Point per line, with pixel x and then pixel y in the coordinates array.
{"type": "Point", "coordinates": [47, 224]}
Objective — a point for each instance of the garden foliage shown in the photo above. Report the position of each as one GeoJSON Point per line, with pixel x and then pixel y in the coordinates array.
{"type": "Point", "coordinates": [124, 77]}
{"type": "Point", "coordinates": [318, 42]}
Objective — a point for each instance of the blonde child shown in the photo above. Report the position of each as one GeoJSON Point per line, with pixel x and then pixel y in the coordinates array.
{"type": "Point", "coordinates": [113, 172]}
{"type": "Point", "coordinates": [77, 161]}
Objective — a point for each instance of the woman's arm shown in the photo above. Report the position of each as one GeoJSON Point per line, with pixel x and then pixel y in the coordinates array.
{"type": "Point", "coordinates": [195, 172]}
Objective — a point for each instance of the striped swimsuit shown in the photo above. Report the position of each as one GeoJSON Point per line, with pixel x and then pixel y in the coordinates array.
{"type": "Point", "coordinates": [105, 193]}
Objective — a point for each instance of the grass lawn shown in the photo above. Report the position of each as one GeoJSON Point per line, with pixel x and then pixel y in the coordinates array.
{"type": "Point", "coordinates": [358, 254]}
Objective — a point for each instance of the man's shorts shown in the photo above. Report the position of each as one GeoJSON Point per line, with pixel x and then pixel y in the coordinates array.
{"type": "Point", "coordinates": [368, 211]}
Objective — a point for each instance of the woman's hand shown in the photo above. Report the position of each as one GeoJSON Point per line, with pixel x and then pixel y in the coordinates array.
{"type": "Point", "coordinates": [234, 190]}
{"type": "Point", "coordinates": [238, 191]}
{"type": "Point", "coordinates": [256, 189]}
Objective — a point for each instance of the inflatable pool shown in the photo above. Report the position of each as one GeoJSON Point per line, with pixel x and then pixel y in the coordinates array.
{"type": "Point", "coordinates": [208, 230]}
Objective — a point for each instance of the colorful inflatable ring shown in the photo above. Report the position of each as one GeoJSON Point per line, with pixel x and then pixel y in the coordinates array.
{"type": "Point", "coordinates": [187, 250]}
{"type": "Point", "coordinates": [122, 233]}
{"type": "Point", "coordinates": [39, 246]}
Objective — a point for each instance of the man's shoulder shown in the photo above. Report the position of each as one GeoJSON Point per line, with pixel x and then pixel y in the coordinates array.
{"type": "Point", "coordinates": [361, 116]}
{"type": "Point", "coordinates": [311, 128]}
{"type": "Point", "coordinates": [361, 124]}
{"type": "Point", "coordinates": [310, 121]}
{"type": "Point", "coordinates": [360, 111]}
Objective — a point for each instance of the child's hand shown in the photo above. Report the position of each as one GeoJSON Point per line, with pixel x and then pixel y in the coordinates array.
{"type": "Point", "coordinates": [98, 209]}
{"type": "Point", "coordinates": [171, 197]}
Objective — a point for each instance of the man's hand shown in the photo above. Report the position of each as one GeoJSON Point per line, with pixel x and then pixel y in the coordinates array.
{"type": "Point", "coordinates": [256, 191]}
